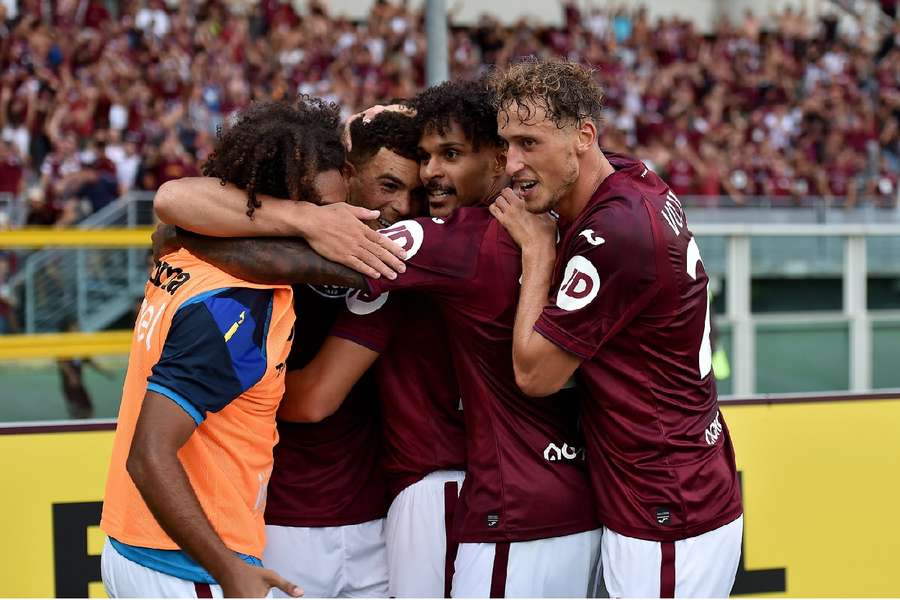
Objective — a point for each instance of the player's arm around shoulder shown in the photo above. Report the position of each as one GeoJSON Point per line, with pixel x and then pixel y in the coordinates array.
{"type": "Point", "coordinates": [541, 368]}
{"type": "Point", "coordinates": [334, 229]}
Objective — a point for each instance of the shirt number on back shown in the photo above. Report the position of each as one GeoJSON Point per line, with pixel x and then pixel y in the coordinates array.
{"type": "Point", "coordinates": [705, 359]}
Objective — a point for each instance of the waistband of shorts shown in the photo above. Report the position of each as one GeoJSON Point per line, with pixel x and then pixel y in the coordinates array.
{"type": "Point", "coordinates": [441, 476]}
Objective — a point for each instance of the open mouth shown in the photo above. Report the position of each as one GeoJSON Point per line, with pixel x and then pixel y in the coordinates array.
{"type": "Point", "coordinates": [384, 222]}
{"type": "Point", "coordinates": [440, 194]}
{"type": "Point", "coordinates": [523, 187]}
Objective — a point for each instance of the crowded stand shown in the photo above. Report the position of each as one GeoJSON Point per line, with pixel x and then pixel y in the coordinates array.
{"type": "Point", "coordinates": [783, 106]}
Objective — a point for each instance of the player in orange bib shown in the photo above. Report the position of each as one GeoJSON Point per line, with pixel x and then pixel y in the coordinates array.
{"type": "Point", "coordinates": [186, 491]}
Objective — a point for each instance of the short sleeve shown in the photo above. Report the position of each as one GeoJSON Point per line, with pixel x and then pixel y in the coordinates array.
{"type": "Point", "coordinates": [368, 322]}
{"type": "Point", "coordinates": [215, 350]}
{"type": "Point", "coordinates": [440, 253]}
{"type": "Point", "coordinates": [605, 275]}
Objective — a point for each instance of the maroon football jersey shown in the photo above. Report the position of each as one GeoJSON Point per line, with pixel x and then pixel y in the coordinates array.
{"type": "Point", "coordinates": [525, 476]}
{"type": "Point", "coordinates": [630, 298]}
{"type": "Point", "coordinates": [328, 473]}
{"type": "Point", "coordinates": [421, 412]}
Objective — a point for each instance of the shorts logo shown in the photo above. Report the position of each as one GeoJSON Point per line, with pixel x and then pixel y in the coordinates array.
{"type": "Point", "coordinates": [713, 431]}
{"type": "Point", "coordinates": [581, 284]}
{"type": "Point", "coordinates": [663, 515]}
{"type": "Point", "coordinates": [407, 234]}
{"type": "Point", "coordinates": [553, 453]}
{"type": "Point", "coordinates": [361, 303]}
{"type": "Point", "coordinates": [329, 291]}
{"type": "Point", "coordinates": [493, 520]}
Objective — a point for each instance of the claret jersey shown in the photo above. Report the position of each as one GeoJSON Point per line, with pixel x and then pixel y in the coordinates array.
{"type": "Point", "coordinates": [421, 410]}
{"type": "Point", "coordinates": [526, 476]}
{"type": "Point", "coordinates": [629, 297]}
{"type": "Point", "coordinates": [327, 474]}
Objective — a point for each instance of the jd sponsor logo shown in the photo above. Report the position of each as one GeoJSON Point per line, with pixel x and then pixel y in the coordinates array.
{"type": "Point", "coordinates": [580, 284]}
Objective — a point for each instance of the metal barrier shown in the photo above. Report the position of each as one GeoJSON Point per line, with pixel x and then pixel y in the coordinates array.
{"type": "Point", "coordinates": [90, 287]}
{"type": "Point", "coordinates": [849, 332]}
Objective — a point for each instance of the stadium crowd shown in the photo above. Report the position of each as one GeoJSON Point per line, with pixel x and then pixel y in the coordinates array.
{"type": "Point", "coordinates": [93, 104]}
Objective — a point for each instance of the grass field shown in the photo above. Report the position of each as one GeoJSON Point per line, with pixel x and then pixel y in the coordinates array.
{"type": "Point", "coordinates": [31, 389]}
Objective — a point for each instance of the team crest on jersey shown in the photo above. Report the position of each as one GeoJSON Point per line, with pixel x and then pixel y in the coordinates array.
{"type": "Point", "coordinates": [361, 303]}
{"type": "Point", "coordinates": [580, 284]}
{"type": "Point", "coordinates": [409, 235]}
{"type": "Point", "coordinates": [329, 291]}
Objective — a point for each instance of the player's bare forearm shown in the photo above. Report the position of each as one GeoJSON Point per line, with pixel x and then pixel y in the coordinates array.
{"type": "Point", "coordinates": [162, 429]}
{"type": "Point", "coordinates": [203, 205]}
{"type": "Point", "coordinates": [317, 390]}
{"type": "Point", "coordinates": [541, 368]}
{"type": "Point", "coordinates": [271, 261]}
{"type": "Point", "coordinates": [335, 229]}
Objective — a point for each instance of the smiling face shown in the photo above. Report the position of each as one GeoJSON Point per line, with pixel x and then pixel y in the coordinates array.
{"type": "Point", "coordinates": [455, 173]}
{"type": "Point", "coordinates": [542, 156]}
{"type": "Point", "coordinates": [387, 182]}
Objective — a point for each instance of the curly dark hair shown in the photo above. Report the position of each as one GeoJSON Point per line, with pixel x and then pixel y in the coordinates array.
{"type": "Point", "coordinates": [467, 103]}
{"type": "Point", "coordinates": [395, 131]}
{"type": "Point", "coordinates": [278, 148]}
{"type": "Point", "coordinates": [566, 90]}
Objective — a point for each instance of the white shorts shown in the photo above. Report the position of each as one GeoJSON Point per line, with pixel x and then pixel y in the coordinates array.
{"type": "Point", "coordinates": [330, 562]}
{"type": "Point", "coordinates": [703, 566]}
{"type": "Point", "coordinates": [419, 558]}
{"type": "Point", "coordinates": [123, 578]}
{"type": "Point", "coordinates": [549, 568]}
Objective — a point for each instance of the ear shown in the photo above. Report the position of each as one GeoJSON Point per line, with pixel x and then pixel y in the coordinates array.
{"type": "Point", "coordinates": [586, 136]}
{"type": "Point", "coordinates": [348, 169]}
{"type": "Point", "coordinates": [498, 164]}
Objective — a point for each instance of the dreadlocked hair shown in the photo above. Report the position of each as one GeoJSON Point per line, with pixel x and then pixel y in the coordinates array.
{"type": "Point", "coordinates": [566, 91]}
{"type": "Point", "coordinates": [277, 148]}
{"type": "Point", "coordinates": [392, 130]}
{"type": "Point", "coordinates": [467, 103]}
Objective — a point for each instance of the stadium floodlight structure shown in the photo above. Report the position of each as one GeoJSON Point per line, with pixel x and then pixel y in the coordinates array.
{"type": "Point", "coordinates": [437, 67]}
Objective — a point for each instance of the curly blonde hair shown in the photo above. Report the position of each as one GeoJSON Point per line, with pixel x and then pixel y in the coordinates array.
{"type": "Point", "coordinates": [565, 90]}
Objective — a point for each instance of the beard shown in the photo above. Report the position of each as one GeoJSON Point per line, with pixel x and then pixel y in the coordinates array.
{"type": "Point", "coordinates": [554, 195]}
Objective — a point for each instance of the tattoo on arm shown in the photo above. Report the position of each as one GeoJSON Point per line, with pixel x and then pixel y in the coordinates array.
{"type": "Point", "coordinates": [271, 260]}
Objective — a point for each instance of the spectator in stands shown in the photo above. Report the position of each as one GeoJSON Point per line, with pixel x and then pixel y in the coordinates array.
{"type": "Point", "coordinates": [155, 80]}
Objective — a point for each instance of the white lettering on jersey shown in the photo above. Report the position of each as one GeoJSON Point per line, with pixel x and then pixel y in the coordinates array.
{"type": "Point", "coordinates": [360, 303]}
{"type": "Point", "coordinates": [705, 356]}
{"type": "Point", "coordinates": [673, 212]}
{"type": "Point", "coordinates": [407, 234]}
{"type": "Point", "coordinates": [438, 220]}
{"type": "Point", "coordinates": [592, 238]}
{"type": "Point", "coordinates": [147, 321]}
{"type": "Point", "coordinates": [714, 431]}
{"type": "Point", "coordinates": [260, 505]}
{"type": "Point", "coordinates": [580, 284]}
{"type": "Point", "coordinates": [554, 453]}
{"type": "Point", "coordinates": [329, 291]}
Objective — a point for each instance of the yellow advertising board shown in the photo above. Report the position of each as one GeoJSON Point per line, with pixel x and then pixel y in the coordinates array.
{"type": "Point", "coordinates": [52, 479]}
{"type": "Point", "coordinates": [820, 481]}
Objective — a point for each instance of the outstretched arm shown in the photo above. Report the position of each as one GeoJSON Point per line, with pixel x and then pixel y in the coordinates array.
{"type": "Point", "coordinates": [318, 389]}
{"type": "Point", "coordinates": [541, 367]}
{"type": "Point", "coordinates": [335, 230]}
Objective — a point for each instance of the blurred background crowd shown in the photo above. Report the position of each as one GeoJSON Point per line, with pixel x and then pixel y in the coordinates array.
{"type": "Point", "coordinates": [93, 104]}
